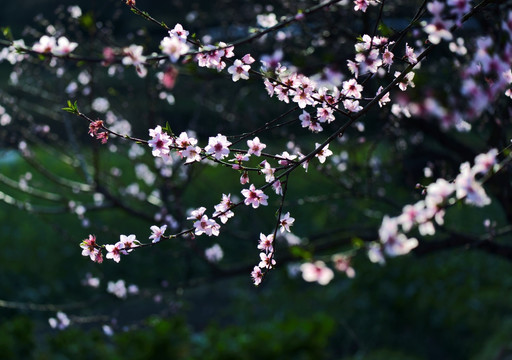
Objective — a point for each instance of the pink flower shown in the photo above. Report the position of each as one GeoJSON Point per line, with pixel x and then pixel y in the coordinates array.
{"type": "Point", "coordinates": [133, 55]}
{"type": "Point", "coordinates": [484, 162]}
{"type": "Point", "coordinates": [323, 153]}
{"type": "Point", "coordinates": [222, 210]}
{"type": "Point", "coordinates": [212, 58]}
{"type": "Point", "coordinates": [266, 20]}
{"type": "Point", "coordinates": [352, 89]}
{"type": "Point", "coordinates": [438, 30]}
{"type": "Point", "coordinates": [239, 158]}
{"type": "Point", "coordinates": [317, 272]}
{"type": "Point", "coordinates": [157, 232]}
{"type": "Point", "coordinates": [64, 46]}
{"type": "Point", "coordinates": [103, 136]}
{"type": "Point", "coordinates": [46, 44]}
{"type": "Point", "coordinates": [268, 171]}
{"type": "Point", "coordinates": [459, 7]}
{"type": "Point", "coordinates": [387, 57]}
{"type": "Point", "coordinates": [305, 118]}
{"type": "Point", "coordinates": [256, 275]}
{"type": "Point", "coordinates": [267, 260]}
{"type": "Point", "coordinates": [90, 248]}
{"type": "Point", "coordinates": [342, 264]}
{"type": "Point", "coordinates": [361, 5]}
{"type": "Point", "coordinates": [254, 197]}
{"type": "Point", "coordinates": [438, 192]}
{"type": "Point", "coordinates": [225, 50]}
{"type": "Point", "coordinates": [99, 257]}
{"type": "Point", "coordinates": [248, 59]}
{"type": "Point", "coordinates": [353, 67]}
{"type": "Point", "coordinates": [239, 70]}
{"type": "Point", "coordinates": [406, 81]}
{"type": "Point", "coordinates": [129, 242]}
{"type": "Point", "coordinates": [214, 254]}
{"type": "Point", "coordinates": [95, 126]}
{"type": "Point", "coordinates": [265, 243]}
{"type": "Point", "coordinates": [174, 47]}
{"type": "Point", "coordinates": [282, 93]}
{"type": "Point", "coordinates": [409, 56]}
{"type": "Point", "coordinates": [412, 215]}
{"type": "Point", "coordinates": [303, 98]}
{"type": "Point", "coordinates": [192, 153]}
{"type": "Point", "coordinates": [160, 142]}
{"type": "Point", "coordinates": [385, 99]}
{"type": "Point", "coordinates": [435, 8]}
{"type": "Point", "coordinates": [114, 251]}
{"type": "Point", "coordinates": [395, 243]}
{"type": "Point", "coordinates": [285, 222]}
{"type": "Point", "coordinates": [375, 253]}
{"type": "Point", "coordinates": [218, 146]}
{"type": "Point", "coordinates": [269, 86]}
{"type": "Point", "coordinates": [255, 146]}
{"type": "Point", "coordinates": [206, 226]}
{"type": "Point", "coordinates": [196, 214]}
{"type": "Point", "coordinates": [370, 62]}
{"type": "Point", "coordinates": [244, 179]}
{"type": "Point", "coordinates": [470, 189]}
{"type": "Point", "coordinates": [117, 288]}
{"type": "Point", "coordinates": [179, 32]}
{"type": "Point", "coordinates": [308, 122]}
{"type": "Point", "coordinates": [184, 140]}
{"type": "Point", "coordinates": [325, 114]}
{"type": "Point", "coordinates": [278, 189]}
{"type": "Point", "coordinates": [286, 158]}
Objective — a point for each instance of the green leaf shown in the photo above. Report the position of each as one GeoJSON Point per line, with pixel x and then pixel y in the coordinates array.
{"type": "Point", "coordinates": [87, 21]}
{"type": "Point", "coordinates": [299, 252]}
{"type": "Point", "coordinates": [167, 129]}
{"type": "Point", "coordinates": [6, 31]}
{"type": "Point", "coordinates": [357, 242]}
{"type": "Point", "coordinates": [71, 108]}
{"type": "Point", "coordinates": [385, 30]}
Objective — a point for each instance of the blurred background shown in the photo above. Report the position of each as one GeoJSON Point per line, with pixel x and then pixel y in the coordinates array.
{"type": "Point", "coordinates": [58, 185]}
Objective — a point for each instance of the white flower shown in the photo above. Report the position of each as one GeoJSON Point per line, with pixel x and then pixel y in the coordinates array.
{"type": "Point", "coordinates": [317, 272]}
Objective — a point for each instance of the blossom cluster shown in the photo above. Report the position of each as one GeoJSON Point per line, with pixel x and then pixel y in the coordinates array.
{"type": "Point", "coordinates": [60, 321]}
{"type": "Point", "coordinates": [485, 76]}
{"type": "Point", "coordinates": [319, 272]}
{"type": "Point", "coordinates": [374, 57]}
{"type": "Point", "coordinates": [423, 214]}
{"type": "Point", "coordinates": [120, 290]}
{"type": "Point", "coordinates": [175, 44]}
{"type": "Point", "coordinates": [266, 246]}
{"type": "Point", "coordinates": [124, 246]}
{"type": "Point", "coordinates": [203, 224]}
{"type": "Point", "coordinates": [95, 130]}
{"type": "Point", "coordinates": [60, 47]}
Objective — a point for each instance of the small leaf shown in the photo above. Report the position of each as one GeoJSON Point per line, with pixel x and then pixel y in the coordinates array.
{"type": "Point", "coordinates": [71, 108]}
{"type": "Point", "coordinates": [167, 129]}
{"type": "Point", "coordinates": [385, 30]}
{"type": "Point", "coordinates": [87, 21]}
{"type": "Point", "coordinates": [6, 31]}
{"type": "Point", "coordinates": [357, 242]}
{"type": "Point", "coordinates": [299, 252]}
